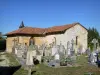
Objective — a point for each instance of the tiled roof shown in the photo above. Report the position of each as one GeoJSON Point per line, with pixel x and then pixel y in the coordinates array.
{"type": "Point", "coordinates": [40, 31]}
{"type": "Point", "coordinates": [27, 30]}
{"type": "Point", "coordinates": [59, 28]}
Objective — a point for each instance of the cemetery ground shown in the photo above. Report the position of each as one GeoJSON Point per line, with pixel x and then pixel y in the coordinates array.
{"type": "Point", "coordinates": [42, 69]}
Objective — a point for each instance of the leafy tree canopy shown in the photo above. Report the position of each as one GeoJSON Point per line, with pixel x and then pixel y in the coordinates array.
{"type": "Point", "coordinates": [93, 33]}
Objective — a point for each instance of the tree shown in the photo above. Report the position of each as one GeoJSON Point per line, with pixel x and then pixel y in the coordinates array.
{"type": "Point", "coordinates": [2, 37]}
{"type": "Point", "coordinates": [21, 25]}
{"type": "Point", "coordinates": [93, 33]}
{"type": "Point", "coordinates": [2, 42]}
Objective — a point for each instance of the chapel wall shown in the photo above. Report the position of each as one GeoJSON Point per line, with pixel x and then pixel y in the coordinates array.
{"type": "Point", "coordinates": [19, 39]}
{"type": "Point", "coordinates": [9, 44]}
{"type": "Point", "coordinates": [70, 34]}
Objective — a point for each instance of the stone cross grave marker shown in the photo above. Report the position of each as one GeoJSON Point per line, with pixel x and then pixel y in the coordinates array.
{"type": "Point", "coordinates": [29, 59]}
{"type": "Point", "coordinates": [44, 46]}
{"type": "Point", "coordinates": [30, 53]}
{"type": "Point", "coordinates": [54, 50]}
{"type": "Point", "coordinates": [57, 56]}
{"type": "Point", "coordinates": [54, 40]}
{"type": "Point", "coordinates": [94, 41]}
{"type": "Point", "coordinates": [61, 49]}
{"type": "Point", "coordinates": [14, 41]}
{"type": "Point", "coordinates": [68, 48]}
{"type": "Point", "coordinates": [72, 42]}
{"type": "Point", "coordinates": [72, 47]}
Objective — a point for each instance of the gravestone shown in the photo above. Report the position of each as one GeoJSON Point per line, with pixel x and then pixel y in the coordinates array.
{"type": "Point", "coordinates": [44, 46]}
{"type": "Point", "coordinates": [93, 58]}
{"type": "Point", "coordinates": [94, 41]}
{"type": "Point", "coordinates": [30, 54]}
{"type": "Point", "coordinates": [61, 48]}
{"type": "Point", "coordinates": [57, 59]}
{"type": "Point", "coordinates": [68, 48]}
{"type": "Point", "coordinates": [88, 52]}
{"type": "Point", "coordinates": [52, 63]}
{"type": "Point", "coordinates": [14, 51]}
{"type": "Point", "coordinates": [25, 49]}
{"type": "Point", "coordinates": [98, 59]}
{"type": "Point", "coordinates": [57, 56]}
{"type": "Point", "coordinates": [98, 47]}
{"type": "Point", "coordinates": [80, 49]}
{"type": "Point", "coordinates": [72, 47]}
{"type": "Point", "coordinates": [39, 53]}
{"type": "Point", "coordinates": [14, 41]}
{"type": "Point", "coordinates": [20, 50]}
{"type": "Point", "coordinates": [29, 59]}
{"type": "Point", "coordinates": [54, 50]}
{"type": "Point", "coordinates": [73, 58]}
{"type": "Point", "coordinates": [55, 62]}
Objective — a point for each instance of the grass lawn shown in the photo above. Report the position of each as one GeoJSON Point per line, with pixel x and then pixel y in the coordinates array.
{"type": "Point", "coordinates": [81, 70]}
{"type": "Point", "coordinates": [45, 70]}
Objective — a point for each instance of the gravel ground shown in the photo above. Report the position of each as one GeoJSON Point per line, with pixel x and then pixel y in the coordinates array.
{"type": "Point", "coordinates": [3, 59]}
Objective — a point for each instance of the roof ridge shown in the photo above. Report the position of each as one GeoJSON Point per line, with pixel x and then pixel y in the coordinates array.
{"type": "Point", "coordinates": [65, 24]}
{"type": "Point", "coordinates": [36, 30]}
